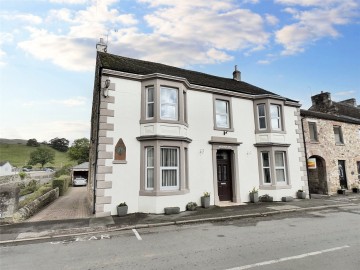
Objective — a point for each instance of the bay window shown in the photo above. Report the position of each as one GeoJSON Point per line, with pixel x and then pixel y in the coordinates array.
{"type": "Point", "coordinates": [149, 168]}
{"type": "Point", "coordinates": [168, 103]}
{"type": "Point", "coordinates": [150, 102]}
{"type": "Point", "coordinates": [169, 168]}
{"type": "Point", "coordinates": [269, 116]}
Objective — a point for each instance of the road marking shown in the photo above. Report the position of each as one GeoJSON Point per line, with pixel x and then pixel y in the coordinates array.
{"type": "Point", "coordinates": [288, 258]}
{"type": "Point", "coordinates": [137, 234]}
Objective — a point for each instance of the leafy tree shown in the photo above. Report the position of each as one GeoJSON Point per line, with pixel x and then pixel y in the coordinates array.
{"type": "Point", "coordinates": [61, 145]}
{"type": "Point", "coordinates": [32, 142]}
{"type": "Point", "coordinates": [79, 150]}
{"type": "Point", "coordinates": [41, 155]}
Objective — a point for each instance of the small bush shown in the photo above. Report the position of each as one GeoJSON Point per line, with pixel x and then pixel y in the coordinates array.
{"type": "Point", "coordinates": [64, 170]}
{"type": "Point", "coordinates": [191, 206]}
{"type": "Point", "coordinates": [22, 175]}
{"type": "Point", "coordinates": [62, 183]}
{"type": "Point", "coordinates": [31, 187]}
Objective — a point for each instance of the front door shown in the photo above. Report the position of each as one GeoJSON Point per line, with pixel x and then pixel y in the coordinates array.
{"type": "Point", "coordinates": [342, 174]}
{"type": "Point", "coordinates": [223, 160]}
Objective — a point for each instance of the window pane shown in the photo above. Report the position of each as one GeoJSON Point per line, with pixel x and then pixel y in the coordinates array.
{"type": "Point", "coordinates": [280, 175]}
{"type": "Point", "coordinates": [150, 156]}
{"type": "Point", "coordinates": [150, 110]}
{"type": "Point", "coordinates": [150, 178]}
{"type": "Point", "coordinates": [279, 159]}
{"type": "Point", "coordinates": [262, 123]}
{"type": "Point", "coordinates": [338, 135]}
{"type": "Point", "coordinates": [169, 178]}
{"type": "Point", "coordinates": [266, 162]}
{"type": "Point", "coordinates": [150, 94]}
{"type": "Point", "coordinates": [222, 113]}
{"type": "Point", "coordinates": [169, 157]}
{"type": "Point", "coordinates": [221, 106]}
{"type": "Point", "coordinates": [169, 103]}
{"type": "Point", "coordinates": [275, 116]}
{"type": "Point", "coordinates": [312, 131]}
{"type": "Point", "coordinates": [267, 178]}
{"type": "Point", "coordinates": [261, 109]}
{"type": "Point", "coordinates": [222, 121]}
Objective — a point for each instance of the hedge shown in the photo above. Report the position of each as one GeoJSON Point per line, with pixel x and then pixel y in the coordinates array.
{"type": "Point", "coordinates": [62, 182]}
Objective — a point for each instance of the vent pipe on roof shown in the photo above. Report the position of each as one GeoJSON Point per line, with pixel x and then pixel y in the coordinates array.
{"type": "Point", "coordinates": [237, 74]}
{"type": "Point", "coordinates": [101, 46]}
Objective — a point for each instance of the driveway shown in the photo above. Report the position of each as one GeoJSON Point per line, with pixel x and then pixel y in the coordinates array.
{"type": "Point", "coordinates": [73, 205]}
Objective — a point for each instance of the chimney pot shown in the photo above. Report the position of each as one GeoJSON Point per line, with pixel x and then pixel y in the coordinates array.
{"type": "Point", "coordinates": [236, 74]}
{"type": "Point", "coordinates": [101, 46]}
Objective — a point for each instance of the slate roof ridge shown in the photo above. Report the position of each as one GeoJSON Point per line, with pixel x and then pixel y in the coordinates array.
{"type": "Point", "coordinates": [329, 116]}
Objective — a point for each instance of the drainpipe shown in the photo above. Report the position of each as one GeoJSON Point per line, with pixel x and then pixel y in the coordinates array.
{"type": "Point", "coordinates": [97, 142]}
{"type": "Point", "coordinates": [307, 169]}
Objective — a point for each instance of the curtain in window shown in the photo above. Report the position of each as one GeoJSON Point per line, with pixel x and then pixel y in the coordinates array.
{"type": "Point", "coordinates": [169, 166]}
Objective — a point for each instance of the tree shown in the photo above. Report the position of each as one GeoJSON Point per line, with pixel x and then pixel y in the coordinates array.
{"type": "Point", "coordinates": [61, 145]}
{"type": "Point", "coordinates": [41, 155]}
{"type": "Point", "coordinates": [79, 150]}
{"type": "Point", "coordinates": [32, 142]}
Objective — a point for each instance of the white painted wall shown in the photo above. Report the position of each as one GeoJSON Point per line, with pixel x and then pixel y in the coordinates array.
{"type": "Point", "coordinates": [126, 177]}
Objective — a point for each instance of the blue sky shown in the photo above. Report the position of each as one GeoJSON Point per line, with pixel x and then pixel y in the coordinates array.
{"type": "Point", "coordinates": [295, 48]}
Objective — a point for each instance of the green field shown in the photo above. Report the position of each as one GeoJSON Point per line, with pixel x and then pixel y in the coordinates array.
{"type": "Point", "coordinates": [19, 154]}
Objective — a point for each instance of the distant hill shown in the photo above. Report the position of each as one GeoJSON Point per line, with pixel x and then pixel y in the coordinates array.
{"type": "Point", "coordinates": [12, 141]}
{"type": "Point", "coordinates": [18, 154]}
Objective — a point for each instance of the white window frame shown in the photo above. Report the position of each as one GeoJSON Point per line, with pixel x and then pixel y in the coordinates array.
{"type": "Point", "coordinates": [227, 114]}
{"type": "Point", "coordinates": [147, 167]}
{"type": "Point", "coordinates": [149, 102]}
{"type": "Point", "coordinates": [163, 168]}
{"type": "Point", "coordinates": [176, 104]}
{"type": "Point", "coordinates": [263, 167]}
{"type": "Point", "coordinates": [278, 117]}
{"type": "Point", "coordinates": [264, 116]}
{"type": "Point", "coordinates": [280, 167]}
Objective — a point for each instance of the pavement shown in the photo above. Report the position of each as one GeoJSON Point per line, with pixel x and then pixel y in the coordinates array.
{"type": "Point", "coordinates": [35, 230]}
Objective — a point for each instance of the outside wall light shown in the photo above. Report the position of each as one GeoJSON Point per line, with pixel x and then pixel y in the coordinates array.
{"type": "Point", "coordinates": [106, 88]}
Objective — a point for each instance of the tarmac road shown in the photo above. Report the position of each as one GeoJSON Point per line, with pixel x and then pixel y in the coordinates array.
{"type": "Point", "coordinates": [323, 239]}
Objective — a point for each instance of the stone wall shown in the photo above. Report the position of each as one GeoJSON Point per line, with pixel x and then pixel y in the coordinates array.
{"type": "Point", "coordinates": [327, 149]}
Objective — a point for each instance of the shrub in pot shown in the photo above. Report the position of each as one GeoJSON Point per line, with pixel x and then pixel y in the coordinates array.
{"type": "Point", "coordinates": [254, 195]}
{"type": "Point", "coordinates": [266, 198]}
{"type": "Point", "coordinates": [122, 209]}
{"type": "Point", "coordinates": [205, 200]}
{"type": "Point", "coordinates": [300, 194]}
{"type": "Point", "coordinates": [191, 206]}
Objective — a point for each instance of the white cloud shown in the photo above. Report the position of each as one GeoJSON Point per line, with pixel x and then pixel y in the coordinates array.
{"type": "Point", "coordinates": [271, 19]}
{"type": "Point", "coordinates": [313, 23]}
{"type": "Point", "coordinates": [71, 2]}
{"type": "Point", "coordinates": [28, 18]}
{"type": "Point", "coordinates": [263, 62]}
{"type": "Point", "coordinates": [4, 38]}
{"type": "Point", "coordinates": [344, 93]}
{"type": "Point", "coordinates": [72, 102]}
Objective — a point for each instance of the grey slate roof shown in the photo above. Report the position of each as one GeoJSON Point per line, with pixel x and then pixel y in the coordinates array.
{"type": "Point", "coordinates": [135, 66]}
{"type": "Point", "coordinates": [327, 116]}
{"type": "Point", "coordinates": [82, 166]}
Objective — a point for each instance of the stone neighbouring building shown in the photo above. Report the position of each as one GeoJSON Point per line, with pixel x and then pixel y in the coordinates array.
{"type": "Point", "coordinates": [332, 140]}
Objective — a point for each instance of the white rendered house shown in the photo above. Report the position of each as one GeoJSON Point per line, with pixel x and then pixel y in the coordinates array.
{"type": "Point", "coordinates": [6, 168]}
{"type": "Point", "coordinates": [162, 136]}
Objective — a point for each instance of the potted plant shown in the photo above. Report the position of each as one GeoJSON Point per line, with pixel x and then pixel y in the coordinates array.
{"type": "Point", "coordinates": [300, 194]}
{"type": "Point", "coordinates": [122, 209]}
{"type": "Point", "coordinates": [266, 198]}
{"type": "Point", "coordinates": [355, 188]}
{"type": "Point", "coordinates": [341, 190]}
{"type": "Point", "coordinates": [205, 200]}
{"type": "Point", "coordinates": [254, 195]}
{"type": "Point", "coordinates": [191, 206]}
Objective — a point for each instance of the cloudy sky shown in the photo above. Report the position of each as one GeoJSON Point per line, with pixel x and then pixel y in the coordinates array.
{"type": "Point", "coordinates": [295, 48]}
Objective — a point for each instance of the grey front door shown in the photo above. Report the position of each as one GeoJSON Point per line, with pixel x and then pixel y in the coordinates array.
{"type": "Point", "coordinates": [224, 179]}
{"type": "Point", "coordinates": [342, 174]}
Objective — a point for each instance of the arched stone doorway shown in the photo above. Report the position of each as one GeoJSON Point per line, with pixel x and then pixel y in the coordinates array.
{"type": "Point", "coordinates": [317, 176]}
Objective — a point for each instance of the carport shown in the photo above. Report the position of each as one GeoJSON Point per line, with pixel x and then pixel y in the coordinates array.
{"type": "Point", "coordinates": [81, 170]}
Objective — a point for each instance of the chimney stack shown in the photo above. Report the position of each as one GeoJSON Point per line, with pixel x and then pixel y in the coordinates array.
{"type": "Point", "coordinates": [236, 74]}
{"type": "Point", "coordinates": [101, 46]}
